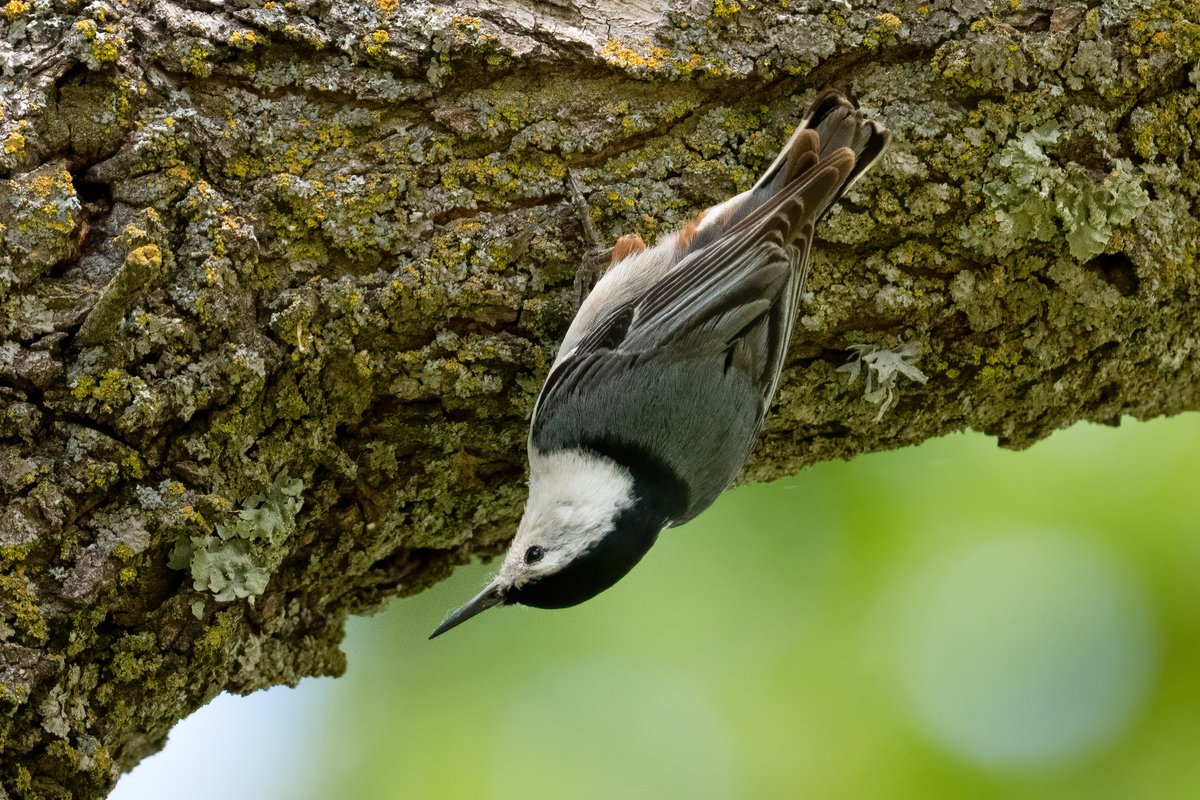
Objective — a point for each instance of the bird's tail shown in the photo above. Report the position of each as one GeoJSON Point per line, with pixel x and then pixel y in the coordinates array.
{"type": "Point", "coordinates": [831, 149]}
{"type": "Point", "coordinates": [832, 122]}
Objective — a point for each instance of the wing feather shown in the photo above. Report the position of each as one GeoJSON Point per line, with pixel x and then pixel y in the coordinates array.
{"type": "Point", "coordinates": [680, 348]}
{"type": "Point", "coordinates": [746, 283]}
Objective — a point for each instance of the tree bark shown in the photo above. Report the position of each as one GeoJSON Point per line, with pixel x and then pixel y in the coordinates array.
{"type": "Point", "coordinates": [280, 281]}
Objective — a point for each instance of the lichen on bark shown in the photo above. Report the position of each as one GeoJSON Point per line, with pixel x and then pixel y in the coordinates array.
{"type": "Point", "coordinates": [266, 247]}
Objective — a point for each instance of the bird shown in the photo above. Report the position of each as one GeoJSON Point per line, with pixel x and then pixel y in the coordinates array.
{"type": "Point", "coordinates": [663, 379]}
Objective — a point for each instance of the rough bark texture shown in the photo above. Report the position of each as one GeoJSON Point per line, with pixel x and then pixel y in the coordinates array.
{"type": "Point", "coordinates": [279, 282]}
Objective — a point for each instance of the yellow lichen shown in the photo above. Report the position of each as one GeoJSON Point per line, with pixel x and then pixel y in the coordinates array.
{"type": "Point", "coordinates": [15, 8]}
{"type": "Point", "coordinates": [243, 40]}
{"type": "Point", "coordinates": [725, 8]}
{"type": "Point", "coordinates": [14, 144]}
{"type": "Point", "coordinates": [196, 62]}
{"type": "Point", "coordinates": [84, 385]}
{"type": "Point", "coordinates": [22, 604]}
{"type": "Point", "coordinates": [374, 44]}
{"type": "Point", "coordinates": [106, 51]}
{"type": "Point", "coordinates": [887, 27]}
{"type": "Point", "coordinates": [615, 52]}
{"type": "Point", "coordinates": [133, 464]}
{"type": "Point", "coordinates": [105, 46]}
{"type": "Point", "coordinates": [112, 387]}
{"type": "Point", "coordinates": [145, 257]}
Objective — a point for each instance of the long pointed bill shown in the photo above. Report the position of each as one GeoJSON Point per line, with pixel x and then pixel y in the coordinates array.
{"type": "Point", "coordinates": [493, 595]}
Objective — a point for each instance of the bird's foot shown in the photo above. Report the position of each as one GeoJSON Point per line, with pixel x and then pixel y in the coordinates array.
{"type": "Point", "coordinates": [596, 257]}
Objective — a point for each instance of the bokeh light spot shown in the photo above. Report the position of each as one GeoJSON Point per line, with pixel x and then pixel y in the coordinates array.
{"type": "Point", "coordinates": [1025, 650]}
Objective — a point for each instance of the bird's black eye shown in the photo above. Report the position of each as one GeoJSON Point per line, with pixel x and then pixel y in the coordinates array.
{"type": "Point", "coordinates": [534, 554]}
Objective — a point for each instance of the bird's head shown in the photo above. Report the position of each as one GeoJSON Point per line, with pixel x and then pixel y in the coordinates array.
{"type": "Point", "coordinates": [585, 526]}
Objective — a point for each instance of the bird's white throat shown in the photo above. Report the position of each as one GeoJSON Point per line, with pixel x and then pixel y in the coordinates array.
{"type": "Point", "coordinates": [574, 497]}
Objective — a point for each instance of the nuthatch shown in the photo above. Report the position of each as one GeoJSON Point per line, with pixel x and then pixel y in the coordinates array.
{"type": "Point", "coordinates": [663, 379]}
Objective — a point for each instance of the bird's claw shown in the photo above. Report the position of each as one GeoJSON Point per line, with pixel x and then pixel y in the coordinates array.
{"type": "Point", "coordinates": [596, 257]}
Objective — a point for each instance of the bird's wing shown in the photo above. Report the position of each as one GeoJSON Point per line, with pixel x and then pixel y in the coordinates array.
{"type": "Point", "coordinates": [733, 299]}
{"type": "Point", "coordinates": [687, 368]}
{"type": "Point", "coordinates": [741, 265]}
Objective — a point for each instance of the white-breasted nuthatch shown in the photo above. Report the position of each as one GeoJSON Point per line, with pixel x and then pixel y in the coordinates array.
{"type": "Point", "coordinates": [663, 379]}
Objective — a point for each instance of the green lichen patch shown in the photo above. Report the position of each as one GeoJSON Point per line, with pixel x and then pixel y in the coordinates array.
{"type": "Point", "coordinates": [160, 143]}
{"type": "Point", "coordinates": [1093, 66]}
{"type": "Point", "coordinates": [21, 615]}
{"type": "Point", "coordinates": [458, 42]}
{"type": "Point", "coordinates": [359, 214]}
{"type": "Point", "coordinates": [128, 401]}
{"type": "Point", "coordinates": [1036, 199]}
{"type": "Point", "coordinates": [542, 119]}
{"type": "Point", "coordinates": [1166, 130]}
{"type": "Point", "coordinates": [100, 109]}
{"type": "Point", "coordinates": [136, 657]}
{"type": "Point", "coordinates": [501, 179]}
{"type": "Point", "coordinates": [237, 562]}
{"type": "Point", "coordinates": [1163, 36]}
{"type": "Point", "coordinates": [989, 59]}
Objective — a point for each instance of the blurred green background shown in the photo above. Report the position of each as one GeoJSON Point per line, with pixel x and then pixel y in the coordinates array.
{"type": "Point", "coordinates": [952, 620]}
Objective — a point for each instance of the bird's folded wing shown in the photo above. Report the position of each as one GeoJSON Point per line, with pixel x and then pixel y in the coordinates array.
{"type": "Point", "coordinates": [743, 285]}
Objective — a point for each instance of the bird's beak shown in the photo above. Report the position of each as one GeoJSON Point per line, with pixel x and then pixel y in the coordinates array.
{"type": "Point", "coordinates": [493, 595]}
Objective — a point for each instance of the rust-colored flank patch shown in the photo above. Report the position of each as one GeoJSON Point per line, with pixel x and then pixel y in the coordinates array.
{"type": "Point", "coordinates": [689, 230]}
{"type": "Point", "coordinates": [626, 246]}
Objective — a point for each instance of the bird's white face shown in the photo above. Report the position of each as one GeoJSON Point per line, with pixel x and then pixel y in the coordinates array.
{"type": "Point", "coordinates": [574, 498]}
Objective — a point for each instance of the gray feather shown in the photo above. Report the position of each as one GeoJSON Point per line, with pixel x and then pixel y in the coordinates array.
{"type": "Point", "coordinates": [687, 409]}
{"type": "Point", "coordinates": [687, 365]}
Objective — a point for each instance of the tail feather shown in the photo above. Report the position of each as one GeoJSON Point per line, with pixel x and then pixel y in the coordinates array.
{"type": "Point", "coordinates": [836, 122]}
{"type": "Point", "coordinates": [832, 124]}
{"type": "Point", "coordinates": [802, 152]}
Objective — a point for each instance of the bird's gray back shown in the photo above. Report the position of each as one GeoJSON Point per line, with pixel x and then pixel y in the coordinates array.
{"type": "Point", "coordinates": [691, 411]}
